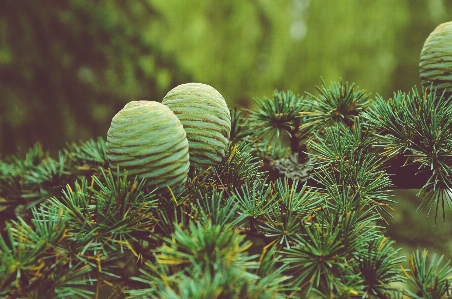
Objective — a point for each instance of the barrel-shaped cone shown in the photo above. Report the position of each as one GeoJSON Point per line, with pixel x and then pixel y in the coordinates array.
{"type": "Point", "coordinates": [435, 65]}
{"type": "Point", "coordinates": [205, 116]}
{"type": "Point", "coordinates": [147, 139]}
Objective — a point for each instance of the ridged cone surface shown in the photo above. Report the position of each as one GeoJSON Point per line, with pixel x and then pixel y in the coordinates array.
{"type": "Point", "coordinates": [436, 59]}
{"type": "Point", "coordinates": [147, 139]}
{"type": "Point", "coordinates": [205, 116]}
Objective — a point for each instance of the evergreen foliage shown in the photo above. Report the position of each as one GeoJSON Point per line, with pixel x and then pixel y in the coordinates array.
{"type": "Point", "coordinates": [240, 229]}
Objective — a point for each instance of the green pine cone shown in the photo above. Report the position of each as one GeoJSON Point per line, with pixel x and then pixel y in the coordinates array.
{"type": "Point", "coordinates": [435, 66]}
{"type": "Point", "coordinates": [206, 119]}
{"type": "Point", "coordinates": [147, 139]}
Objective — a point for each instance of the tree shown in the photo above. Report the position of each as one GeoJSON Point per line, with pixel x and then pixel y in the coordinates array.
{"type": "Point", "coordinates": [232, 230]}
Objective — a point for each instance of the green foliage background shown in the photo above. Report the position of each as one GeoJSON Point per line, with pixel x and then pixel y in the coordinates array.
{"type": "Point", "coordinates": [66, 67]}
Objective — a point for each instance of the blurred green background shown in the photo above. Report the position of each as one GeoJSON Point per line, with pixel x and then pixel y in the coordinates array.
{"type": "Point", "coordinates": [67, 67]}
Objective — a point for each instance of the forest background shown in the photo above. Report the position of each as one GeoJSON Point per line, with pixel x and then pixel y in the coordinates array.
{"type": "Point", "coordinates": [67, 67]}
